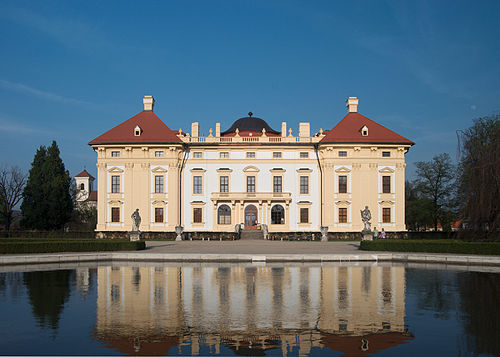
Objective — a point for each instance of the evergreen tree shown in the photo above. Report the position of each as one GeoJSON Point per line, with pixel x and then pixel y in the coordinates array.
{"type": "Point", "coordinates": [33, 208]}
{"type": "Point", "coordinates": [47, 202]}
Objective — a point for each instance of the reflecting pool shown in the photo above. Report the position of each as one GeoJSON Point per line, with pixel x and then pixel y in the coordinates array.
{"type": "Point", "coordinates": [249, 309]}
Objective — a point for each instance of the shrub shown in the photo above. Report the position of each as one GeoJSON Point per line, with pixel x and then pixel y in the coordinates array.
{"type": "Point", "coordinates": [433, 246]}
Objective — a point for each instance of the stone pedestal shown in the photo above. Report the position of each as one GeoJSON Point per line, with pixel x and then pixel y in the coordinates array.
{"type": "Point", "coordinates": [135, 236]}
{"type": "Point", "coordinates": [324, 233]}
{"type": "Point", "coordinates": [366, 235]}
{"type": "Point", "coordinates": [179, 230]}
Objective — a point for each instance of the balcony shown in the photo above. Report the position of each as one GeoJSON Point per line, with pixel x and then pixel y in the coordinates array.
{"type": "Point", "coordinates": [251, 196]}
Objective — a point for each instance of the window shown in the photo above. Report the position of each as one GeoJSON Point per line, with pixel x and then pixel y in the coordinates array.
{"type": "Point", "coordinates": [158, 184]}
{"type": "Point", "coordinates": [197, 189]}
{"type": "Point", "coordinates": [342, 184]}
{"type": "Point", "coordinates": [277, 215]}
{"type": "Point", "coordinates": [224, 155]}
{"type": "Point", "coordinates": [342, 153]}
{"type": "Point", "coordinates": [277, 184]}
{"type": "Point", "coordinates": [304, 185]}
{"type": "Point", "coordinates": [159, 215]}
{"type": "Point", "coordinates": [224, 184]}
{"type": "Point", "coordinates": [224, 215]}
{"type": "Point", "coordinates": [386, 215]}
{"type": "Point", "coordinates": [304, 155]}
{"type": "Point", "coordinates": [386, 154]}
{"type": "Point", "coordinates": [250, 155]}
{"type": "Point", "coordinates": [82, 187]}
{"type": "Point", "coordinates": [250, 183]}
{"type": "Point", "coordinates": [115, 154]}
{"type": "Point", "coordinates": [158, 153]}
{"type": "Point", "coordinates": [304, 215]}
{"type": "Point", "coordinates": [386, 184]}
{"type": "Point", "coordinates": [115, 214]}
{"type": "Point", "coordinates": [342, 215]}
{"type": "Point", "coordinates": [115, 184]}
{"type": "Point", "coordinates": [197, 215]}
{"type": "Point", "coordinates": [197, 155]}
{"type": "Point", "coordinates": [276, 155]}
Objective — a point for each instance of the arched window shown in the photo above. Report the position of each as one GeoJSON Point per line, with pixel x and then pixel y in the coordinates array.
{"type": "Point", "coordinates": [82, 187]}
{"type": "Point", "coordinates": [277, 214]}
{"type": "Point", "coordinates": [224, 214]}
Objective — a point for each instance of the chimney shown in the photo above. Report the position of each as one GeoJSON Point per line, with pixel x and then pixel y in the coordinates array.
{"type": "Point", "coordinates": [283, 129]}
{"type": "Point", "coordinates": [352, 104]}
{"type": "Point", "coordinates": [217, 129]}
{"type": "Point", "coordinates": [304, 130]}
{"type": "Point", "coordinates": [148, 102]}
{"type": "Point", "coordinates": [195, 129]}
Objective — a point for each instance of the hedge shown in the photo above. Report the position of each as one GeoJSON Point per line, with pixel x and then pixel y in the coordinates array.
{"type": "Point", "coordinates": [47, 234]}
{"type": "Point", "coordinates": [432, 246]}
{"type": "Point", "coordinates": [58, 246]}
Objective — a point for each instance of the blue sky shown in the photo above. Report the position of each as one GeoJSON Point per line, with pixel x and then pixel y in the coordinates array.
{"type": "Point", "coordinates": [70, 70]}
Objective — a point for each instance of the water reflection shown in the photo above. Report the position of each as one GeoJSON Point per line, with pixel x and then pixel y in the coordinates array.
{"type": "Point", "coordinates": [48, 292]}
{"type": "Point", "coordinates": [251, 309]}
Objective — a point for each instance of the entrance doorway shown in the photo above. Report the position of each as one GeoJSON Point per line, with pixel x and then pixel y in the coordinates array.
{"type": "Point", "coordinates": [250, 217]}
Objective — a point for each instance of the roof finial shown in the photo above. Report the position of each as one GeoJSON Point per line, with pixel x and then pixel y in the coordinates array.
{"type": "Point", "coordinates": [250, 114]}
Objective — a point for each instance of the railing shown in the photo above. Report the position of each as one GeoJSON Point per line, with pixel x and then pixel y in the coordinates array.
{"type": "Point", "coordinates": [282, 196]}
{"type": "Point", "coordinates": [251, 139]}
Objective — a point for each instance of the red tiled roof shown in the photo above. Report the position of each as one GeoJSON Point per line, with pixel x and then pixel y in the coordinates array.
{"type": "Point", "coordinates": [374, 343]}
{"type": "Point", "coordinates": [153, 131]}
{"type": "Point", "coordinates": [348, 130]}
{"type": "Point", "coordinates": [84, 173]}
{"type": "Point", "coordinates": [92, 196]}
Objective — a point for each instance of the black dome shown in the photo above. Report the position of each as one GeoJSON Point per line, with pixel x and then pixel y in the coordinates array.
{"type": "Point", "coordinates": [250, 124]}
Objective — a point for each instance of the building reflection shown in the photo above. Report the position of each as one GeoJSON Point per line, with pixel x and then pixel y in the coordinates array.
{"type": "Point", "coordinates": [250, 309]}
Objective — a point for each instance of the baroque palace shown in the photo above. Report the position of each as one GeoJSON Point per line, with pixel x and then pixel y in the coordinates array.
{"type": "Point", "coordinates": [250, 174]}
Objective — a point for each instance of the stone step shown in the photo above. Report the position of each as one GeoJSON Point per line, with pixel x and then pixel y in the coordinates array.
{"type": "Point", "coordinates": [255, 235]}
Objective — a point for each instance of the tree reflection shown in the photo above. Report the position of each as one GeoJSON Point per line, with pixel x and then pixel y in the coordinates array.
{"type": "Point", "coordinates": [480, 293]}
{"type": "Point", "coordinates": [48, 291]}
{"type": "Point", "coordinates": [434, 290]}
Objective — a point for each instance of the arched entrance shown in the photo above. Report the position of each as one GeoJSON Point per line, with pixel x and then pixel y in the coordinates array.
{"type": "Point", "coordinates": [250, 217]}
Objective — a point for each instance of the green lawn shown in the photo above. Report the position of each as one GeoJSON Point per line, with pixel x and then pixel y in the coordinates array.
{"type": "Point", "coordinates": [432, 246]}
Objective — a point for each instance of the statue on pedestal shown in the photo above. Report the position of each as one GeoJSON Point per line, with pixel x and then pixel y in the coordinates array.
{"type": "Point", "coordinates": [135, 234]}
{"type": "Point", "coordinates": [365, 217]}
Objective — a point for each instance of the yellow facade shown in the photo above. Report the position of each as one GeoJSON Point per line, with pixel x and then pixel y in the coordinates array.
{"type": "Point", "coordinates": [322, 183]}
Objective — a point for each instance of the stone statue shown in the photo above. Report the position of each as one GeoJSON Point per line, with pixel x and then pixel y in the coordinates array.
{"type": "Point", "coordinates": [136, 220]}
{"type": "Point", "coordinates": [365, 217]}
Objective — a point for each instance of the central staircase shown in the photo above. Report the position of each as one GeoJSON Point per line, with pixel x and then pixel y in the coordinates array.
{"type": "Point", "coordinates": [251, 235]}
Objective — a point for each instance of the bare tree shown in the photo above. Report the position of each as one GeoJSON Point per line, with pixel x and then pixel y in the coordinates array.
{"type": "Point", "coordinates": [436, 182]}
{"type": "Point", "coordinates": [12, 181]}
{"type": "Point", "coordinates": [480, 176]}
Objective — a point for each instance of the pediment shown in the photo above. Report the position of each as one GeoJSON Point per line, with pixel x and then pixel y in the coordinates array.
{"type": "Point", "coordinates": [342, 203]}
{"type": "Point", "coordinates": [251, 169]}
{"type": "Point", "coordinates": [115, 170]}
{"type": "Point", "coordinates": [343, 170]}
{"type": "Point", "coordinates": [159, 170]}
{"type": "Point", "coordinates": [386, 170]}
{"type": "Point", "coordinates": [386, 203]}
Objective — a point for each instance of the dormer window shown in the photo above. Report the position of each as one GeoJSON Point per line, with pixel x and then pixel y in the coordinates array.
{"type": "Point", "coordinates": [364, 131]}
{"type": "Point", "coordinates": [137, 131]}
